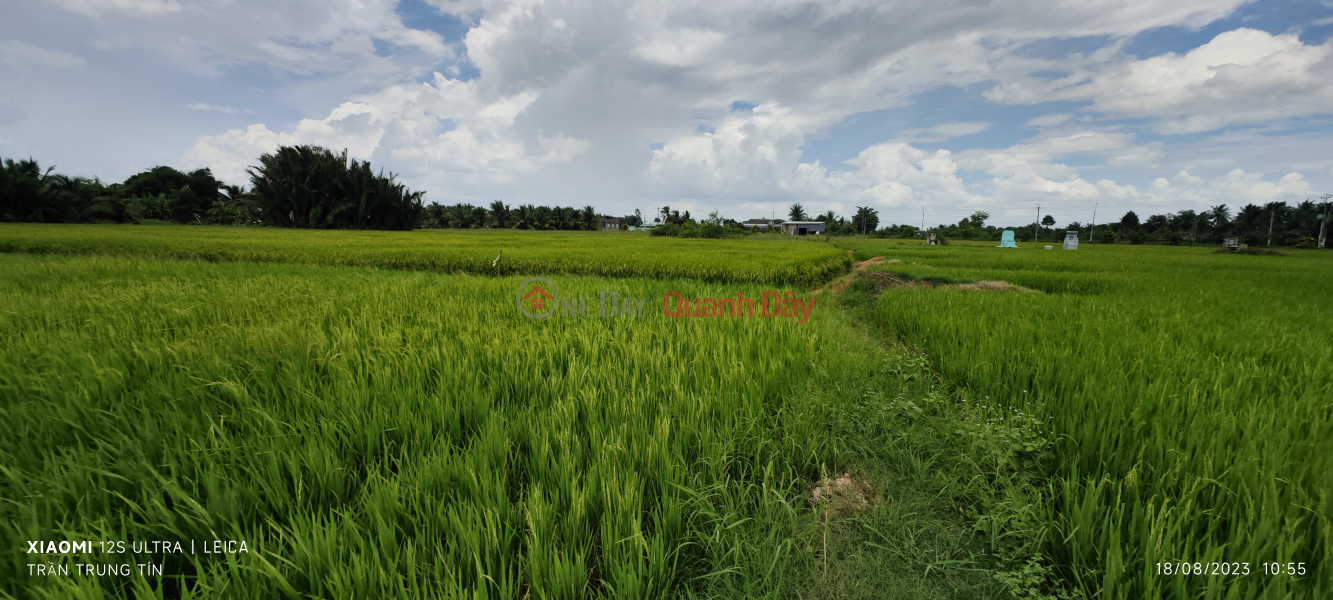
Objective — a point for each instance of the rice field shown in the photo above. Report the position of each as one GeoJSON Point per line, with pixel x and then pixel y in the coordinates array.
{"type": "Point", "coordinates": [381, 433]}
{"type": "Point", "coordinates": [1191, 393]}
{"type": "Point", "coordinates": [763, 259]}
{"type": "Point", "coordinates": [374, 416]}
{"type": "Point", "coordinates": [375, 433]}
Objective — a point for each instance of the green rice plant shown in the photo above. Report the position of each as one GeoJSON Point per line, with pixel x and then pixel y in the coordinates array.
{"type": "Point", "coordinates": [1190, 393]}
{"type": "Point", "coordinates": [375, 433]}
{"type": "Point", "coordinates": [771, 260]}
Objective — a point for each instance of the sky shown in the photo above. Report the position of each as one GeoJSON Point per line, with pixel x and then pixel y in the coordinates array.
{"type": "Point", "coordinates": [924, 110]}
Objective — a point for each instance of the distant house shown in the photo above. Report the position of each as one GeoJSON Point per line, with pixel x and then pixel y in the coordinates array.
{"type": "Point", "coordinates": [805, 227]}
{"type": "Point", "coordinates": [760, 224]}
{"type": "Point", "coordinates": [612, 223]}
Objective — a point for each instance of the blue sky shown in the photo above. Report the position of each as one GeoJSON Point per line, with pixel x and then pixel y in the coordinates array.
{"type": "Point", "coordinates": [741, 106]}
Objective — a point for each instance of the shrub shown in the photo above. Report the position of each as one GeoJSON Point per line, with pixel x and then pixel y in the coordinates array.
{"type": "Point", "coordinates": [1107, 236]}
{"type": "Point", "coordinates": [1306, 243]}
{"type": "Point", "coordinates": [1175, 239]}
{"type": "Point", "coordinates": [1138, 237]}
{"type": "Point", "coordinates": [666, 229]}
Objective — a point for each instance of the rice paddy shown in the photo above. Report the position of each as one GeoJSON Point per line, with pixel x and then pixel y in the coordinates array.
{"type": "Point", "coordinates": [1191, 393]}
{"type": "Point", "coordinates": [375, 433]}
{"type": "Point", "coordinates": [373, 415]}
{"type": "Point", "coordinates": [763, 259]}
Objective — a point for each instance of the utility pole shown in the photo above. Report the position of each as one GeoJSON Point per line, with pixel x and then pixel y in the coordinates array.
{"type": "Point", "coordinates": [1271, 215]}
{"type": "Point", "coordinates": [1036, 224]}
{"type": "Point", "coordinates": [923, 219]}
{"type": "Point", "coordinates": [1094, 222]}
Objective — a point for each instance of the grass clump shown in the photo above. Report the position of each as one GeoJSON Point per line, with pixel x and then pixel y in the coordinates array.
{"type": "Point", "coordinates": [1250, 252]}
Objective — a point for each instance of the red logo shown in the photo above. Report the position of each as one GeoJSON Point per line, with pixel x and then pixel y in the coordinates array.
{"type": "Point", "coordinates": [536, 298]}
{"type": "Point", "coordinates": [539, 301]}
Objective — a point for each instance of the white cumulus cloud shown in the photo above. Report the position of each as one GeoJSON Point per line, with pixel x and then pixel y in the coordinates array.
{"type": "Point", "coordinates": [445, 126]}
{"type": "Point", "coordinates": [709, 105]}
{"type": "Point", "coordinates": [1240, 77]}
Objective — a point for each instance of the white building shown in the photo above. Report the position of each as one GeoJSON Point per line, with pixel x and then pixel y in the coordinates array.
{"type": "Point", "coordinates": [805, 227]}
{"type": "Point", "coordinates": [760, 224]}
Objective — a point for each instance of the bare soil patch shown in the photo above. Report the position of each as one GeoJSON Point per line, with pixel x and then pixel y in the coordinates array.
{"type": "Point", "coordinates": [993, 286]}
{"type": "Point", "coordinates": [847, 279]}
{"type": "Point", "coordinates": [843, 495]}
{"type": "Point", "coordinates": [869, 263]}
{"type": "Point", "coordinates": [882, 280]}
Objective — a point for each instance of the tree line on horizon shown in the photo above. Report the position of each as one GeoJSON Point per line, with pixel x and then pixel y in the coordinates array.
{"type": "Point", "coordinates": [1277, 223]}
{"type": "Point", "coordinates": [313, 187]}
{"type": "Point", "coordinates": [502, 216]}
{"type": "Point", "coordinates": [294, 186]}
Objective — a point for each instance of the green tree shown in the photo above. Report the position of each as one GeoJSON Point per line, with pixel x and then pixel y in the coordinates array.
{"type": "Point", "coordinates": [523, 216]}
{"type": "Point", "coordinates": [28, 194]}
{"type": "Point", "coordinates": [234, 208]}
{"type": "Point", "coordinates": [310, 186]}
{"type": "Point", "coordinates": [500, 214]}
{"type": "Point", "coordinates": [866, 220]}
{"type": "Point", "coordinates": [189, 195]}
{"type": "Point", "coordinates": [796, 212]}
{"type": "Point", "coordinates": [542, 218]}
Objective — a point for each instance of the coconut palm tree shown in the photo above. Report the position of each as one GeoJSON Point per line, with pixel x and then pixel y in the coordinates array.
{"type": "Point", "coordinates": [27, 193]}
{"type": "Point", "coordinates": [500, 214]}
{"type": "Point", "coordinates": [796, 212]}
{"type": "Point", "coordinates": [521, 216]}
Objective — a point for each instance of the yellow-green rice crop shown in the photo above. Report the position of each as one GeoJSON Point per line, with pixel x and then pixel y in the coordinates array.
{"type": "Point", "coordinates": [766, 259]}
{"type": "Point", "coordinates": [1193, 393]}
{"type": "Point", "coordinates": [375, 433]}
